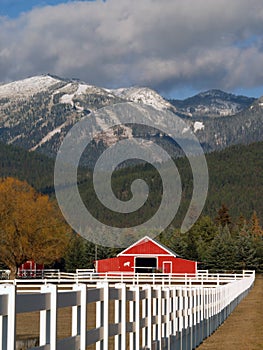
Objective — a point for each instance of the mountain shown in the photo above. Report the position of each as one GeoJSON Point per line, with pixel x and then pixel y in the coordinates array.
{"type": "Point", "coordinates": [221, 119]}
{"type": "Point", "coordinates": [212, 103]}
{"type": "Point", "coordinates": [36, 114]}
{"type": "Point", "coordinates": [241, 128]}
{"type": "Point", "coordinates": [144, 95]}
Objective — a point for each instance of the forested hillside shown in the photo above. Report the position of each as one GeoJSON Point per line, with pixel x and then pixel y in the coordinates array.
{"type": "Point", "coordinates": [235, 179]}
{"type": "Point", "coordinates": [35, 168]}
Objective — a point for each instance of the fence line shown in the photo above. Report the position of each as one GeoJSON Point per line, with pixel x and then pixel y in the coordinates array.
{"type": "Point", "coordinates": [202, 277]}
{"type": "Point", "coordinates": [145, 316]}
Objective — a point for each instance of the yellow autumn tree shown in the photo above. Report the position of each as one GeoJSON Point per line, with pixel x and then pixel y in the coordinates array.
{"type": "Point", "coordinates": [31, 226]}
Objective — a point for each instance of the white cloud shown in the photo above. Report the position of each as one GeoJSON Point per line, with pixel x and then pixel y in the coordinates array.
{"type": "Point", "coordinates": [162, 44]}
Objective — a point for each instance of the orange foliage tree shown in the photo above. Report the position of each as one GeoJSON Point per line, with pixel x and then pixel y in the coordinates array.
{"type": "Point", "coordinates": [31, 226]}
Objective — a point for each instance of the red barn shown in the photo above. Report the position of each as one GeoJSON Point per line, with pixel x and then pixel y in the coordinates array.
{"type": "Point", "coordinates": [146, 256]}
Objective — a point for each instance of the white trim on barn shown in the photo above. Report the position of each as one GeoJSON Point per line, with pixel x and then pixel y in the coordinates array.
{"type": "Point", "coordinates": [142, 255]}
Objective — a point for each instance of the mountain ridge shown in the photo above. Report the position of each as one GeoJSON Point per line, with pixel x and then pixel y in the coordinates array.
{"type": "Point", "coordinates": [213, 103]}
{"type": "Point", "coordinates": [36, 113]}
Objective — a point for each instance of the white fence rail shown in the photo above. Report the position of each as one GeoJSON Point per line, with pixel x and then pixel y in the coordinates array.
{"type": "Point", "coordinates": [91, 277]}
{"type": "Point", "coordinates": [127, 316]}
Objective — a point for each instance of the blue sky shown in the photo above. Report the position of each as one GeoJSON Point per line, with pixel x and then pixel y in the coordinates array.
{"type": "Point", "coordinates": [178, 49]}
{"type": "Point", "coordinates": [13, 8]}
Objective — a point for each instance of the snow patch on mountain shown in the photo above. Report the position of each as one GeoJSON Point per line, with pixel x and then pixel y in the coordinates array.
{"type": "Point", "coordinates": [75, 89]}
{"type": "Point", "coordinates": [68, 98]}
{"type": "Point", "coordinates": [49, 136]}
{"type": "Point", "coordinates": [218, 108]}
{"type": "Point", "coordinates": [27, 87]}
{"type": "Point", "coordinates": [198, 126]}
{"type": "Point", "coordinates": [143, 95]}
{"type": "Point", "coordinates": [186, 129]}
{"type": "Point", "coordinates": [15, 138]}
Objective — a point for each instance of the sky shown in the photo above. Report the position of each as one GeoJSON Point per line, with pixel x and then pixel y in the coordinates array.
{"type": "Point", "coordinates": [176, 47]}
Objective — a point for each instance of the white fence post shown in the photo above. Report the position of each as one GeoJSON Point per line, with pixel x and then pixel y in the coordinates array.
{"type": "Point", "coordinates": [8, 320]}
{"type": "Point", "coordinates": [144, 313]}
{"type": "Point", "coordinates": [158, 313]}
{"type": "Point", "coordinates": [102, 310]}
{"type": "Point", "coordinates": [79, 315]}
{"type": "Point", "coordinates": [147, 315]}
{"type": "Point", "coordinates": [99, 318]}
{"type": "Point", "coordinates": [135, 318]}
{"type": "Point", "coordinates": [48, 318]}
{"type": "Point", "coordinates": [105, 316]}
{"type": "Point", "coordinates": [173, 310]}
{"type": "Point", "coordinates": [120, 317]}
{"type": "Point", "coordinates": [181, 310]}
{"type": "Point", "coordinates": [167, 312]}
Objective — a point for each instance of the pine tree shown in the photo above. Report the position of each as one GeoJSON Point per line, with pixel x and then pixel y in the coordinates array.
{"type": "Point", "coordinates": [222, 252]}
{"type": "Point", "coordinates": [174, 240]}
{"type": "Point", "coordinates": [75, 257]}
{"type": "Point", "coordinates": [246, 256]}
{"type": "Point", "coordinates": [191, 247]}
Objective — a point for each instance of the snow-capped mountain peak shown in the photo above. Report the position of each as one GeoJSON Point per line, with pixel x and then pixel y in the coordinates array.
{"type": "Point", "coordinates": [213, 103]}
{"type": "Point", "coordinates": [143, 95]}
{"type": "Point", "coordinates": [27, 87]}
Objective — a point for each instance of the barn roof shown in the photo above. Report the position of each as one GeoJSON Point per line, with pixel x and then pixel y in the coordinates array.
{"type": "Point", "coordinates": [147, 246]}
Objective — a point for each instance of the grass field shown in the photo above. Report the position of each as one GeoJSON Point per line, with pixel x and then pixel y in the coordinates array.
{"type": "Point", "coordinates": [243, 329]}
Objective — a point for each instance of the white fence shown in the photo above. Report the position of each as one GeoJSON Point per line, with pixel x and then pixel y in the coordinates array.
{"type": "Point", "coordinates": [90, 277]}
{"type": "Point", "coordinates": [126, 315]}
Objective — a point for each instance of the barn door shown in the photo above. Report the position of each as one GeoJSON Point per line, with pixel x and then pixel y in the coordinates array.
{"type": "Point", "coordinates": [145, 265]}
{"type": "Point", "coordinates": [167, 267]}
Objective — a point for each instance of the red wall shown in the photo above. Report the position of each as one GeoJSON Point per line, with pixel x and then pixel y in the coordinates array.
{"type": "Point", "coordinates": [184, 266]}
{"type": "Point", "coordinates": [126, 263]}
{"type": "Point", "coordinates": [122, 263]}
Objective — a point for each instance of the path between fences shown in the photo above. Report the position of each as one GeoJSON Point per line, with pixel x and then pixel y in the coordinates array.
{"type": "Point", "coordinates": [243, 329]}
